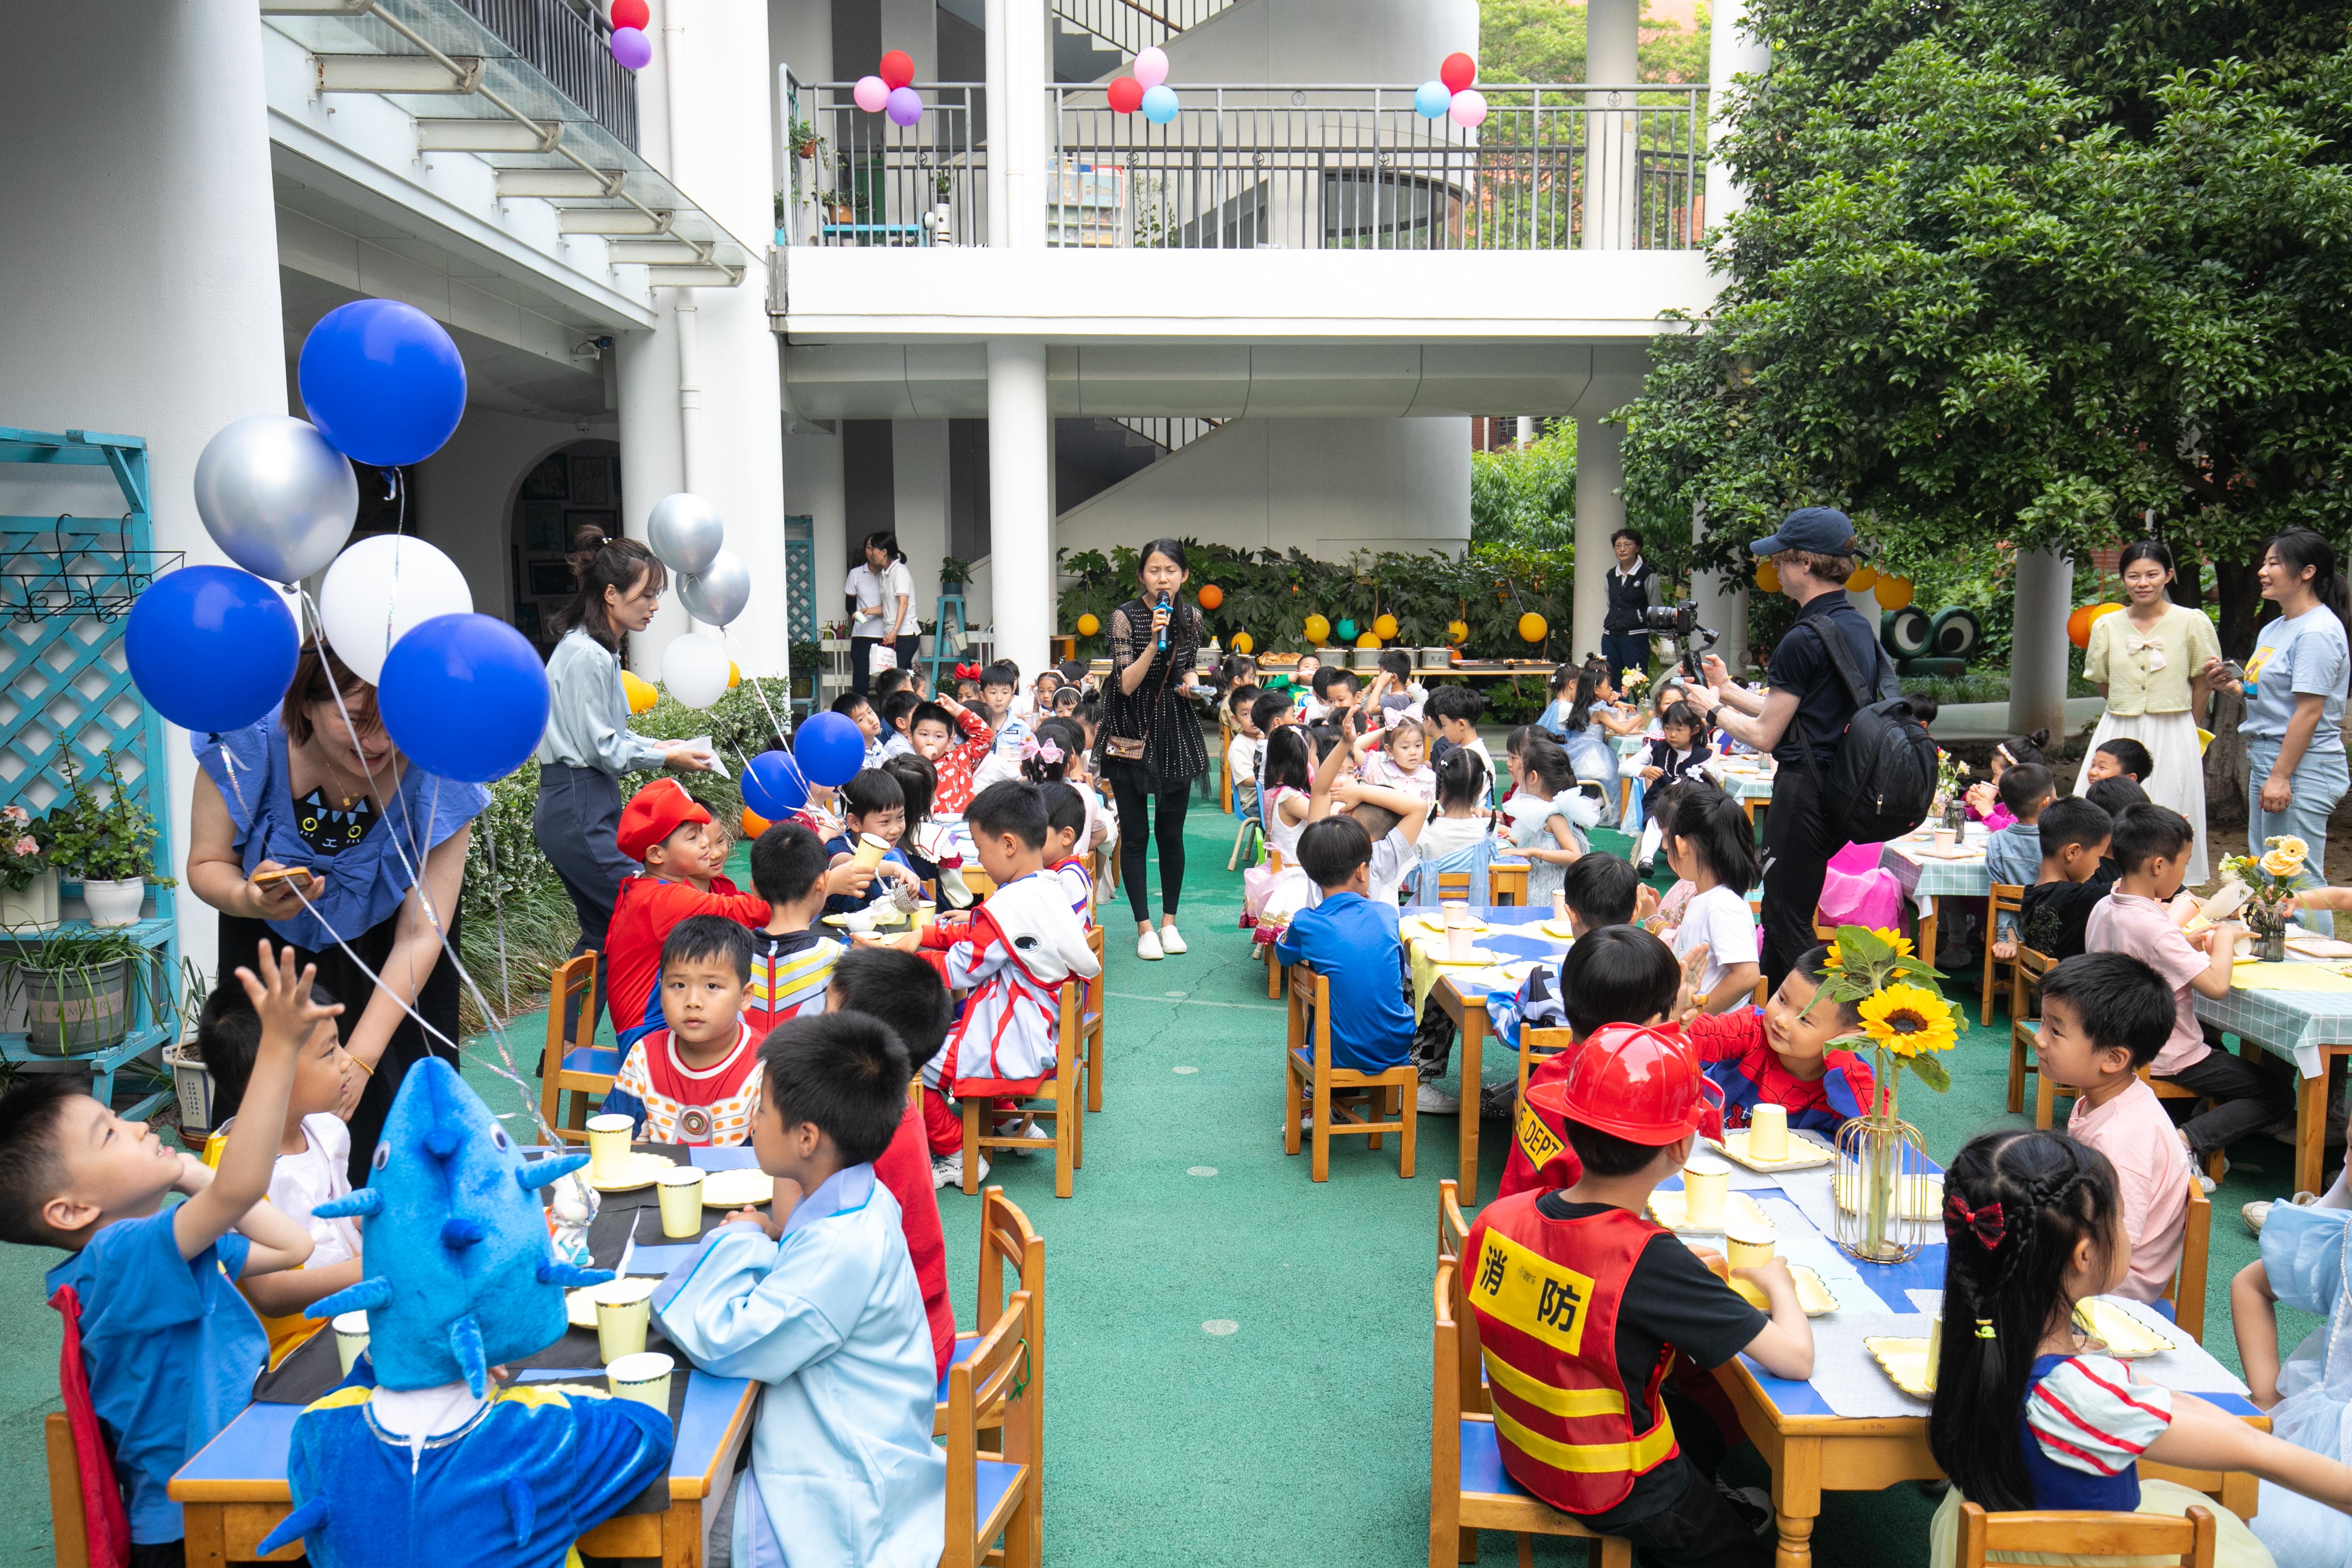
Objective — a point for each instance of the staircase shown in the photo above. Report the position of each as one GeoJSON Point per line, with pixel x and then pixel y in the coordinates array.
{"type": "Point", "coordinates": [1096, 38]}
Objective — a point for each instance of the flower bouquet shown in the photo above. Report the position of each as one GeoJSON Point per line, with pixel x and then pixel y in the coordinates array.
{"type": "Point", "coordinates": [1635, 679]}
{"type": "Point", "coordinates": [2271, 879]}
{"type": "Point", "coordinates": [1951, 788]}
{"type": "Point", "coordinates": [1882, 1181]}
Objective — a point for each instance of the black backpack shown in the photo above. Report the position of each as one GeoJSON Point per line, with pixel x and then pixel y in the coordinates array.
{"type": "Point", "coordinates": [1882, 782]}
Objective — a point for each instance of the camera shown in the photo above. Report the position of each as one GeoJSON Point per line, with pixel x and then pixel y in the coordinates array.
{"type": "Point", "coordinates": [1678, 623]}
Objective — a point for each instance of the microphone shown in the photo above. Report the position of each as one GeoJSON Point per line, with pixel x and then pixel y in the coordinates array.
{"type": "Point", "coordinates": [1162, 603]}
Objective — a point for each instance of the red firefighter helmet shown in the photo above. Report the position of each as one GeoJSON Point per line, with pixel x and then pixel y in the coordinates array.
{"type": "Point", "coordinates": [1635, 1082]}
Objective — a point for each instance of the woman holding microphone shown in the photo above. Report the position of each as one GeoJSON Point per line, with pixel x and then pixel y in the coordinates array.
{"type": "Point", "coordinates": [1149, 743]}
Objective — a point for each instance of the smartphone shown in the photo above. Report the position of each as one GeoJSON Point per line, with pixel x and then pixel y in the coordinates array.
{"type": "Point", "coordinates": [272, 878]}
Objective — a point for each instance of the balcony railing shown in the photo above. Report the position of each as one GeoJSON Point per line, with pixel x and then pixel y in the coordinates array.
{"type": "Point", "coordinates": [567, 49]}
{"type": "Point", "coordinates": [859, 179]}
{"type": "Point", "coordinates": [1345, 168]}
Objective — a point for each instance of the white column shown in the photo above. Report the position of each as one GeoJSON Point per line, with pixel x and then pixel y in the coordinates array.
{"type": "Point", "coordinates": [1721, 598]}
{"type": "Point", "coordinates": [148, 128]}
{"type": "Point", "coordinates": [653, 460]}
{"type": "Point", "coordinates": [1020, 500]}
{"type": "Point", "coordinates": [919, 489]}
{"type": "Point", "coordinates": [1600, 513]}
{"type": "Point", "coordinates": [1731, 51]}
{"type": "Point", "coordinates": [1612, 41]}
{"type": "Point", "coordinates": [2037, 649]}
{"type": "Point", "coordinates": [1019, 52]}
{"type": "Point", "coordinates": [913, 26]}
{"type": "Point", "coordinates": [1527, 430]}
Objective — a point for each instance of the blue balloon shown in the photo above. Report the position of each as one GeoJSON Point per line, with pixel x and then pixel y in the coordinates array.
{"type": "Point", "coordinates": [383, 382]}
{"type": "Point", "coordinates": [830, 749]}
{"type": "Point", "coordinates": [1159, 104]}
{"type": "Point", "coordinates": [1430, 100]}
{"type": "Point", "coordinates": [773, 786]}
{"type": "Point", "coordinates": [465, 697]}
{"type": "Point", "coordinates": [211, 647]}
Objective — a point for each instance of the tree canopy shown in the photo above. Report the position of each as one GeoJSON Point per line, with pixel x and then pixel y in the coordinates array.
{"type": "Point", "coordinates": [2025, 270]}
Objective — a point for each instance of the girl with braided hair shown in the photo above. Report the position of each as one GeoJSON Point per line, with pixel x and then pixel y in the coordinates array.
{"type": "Point", "coordinates": [2025, 1416]}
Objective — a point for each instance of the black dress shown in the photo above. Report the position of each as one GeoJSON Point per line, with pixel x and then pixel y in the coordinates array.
{"type": "Point", "coordinates": [1157, 712]}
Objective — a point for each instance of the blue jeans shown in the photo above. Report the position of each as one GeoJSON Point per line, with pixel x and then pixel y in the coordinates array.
{"type": "Point", "coordinates": [2318, 782]}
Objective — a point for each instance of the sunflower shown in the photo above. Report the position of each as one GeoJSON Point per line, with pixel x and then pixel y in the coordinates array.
{"type": "Point", "coordinates": [1900, 943]}
{"type": "Point", "coordinates": [1909, 1020]}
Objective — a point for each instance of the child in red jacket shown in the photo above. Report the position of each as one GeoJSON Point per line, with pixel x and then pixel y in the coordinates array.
{"type": "Point", "coordinates": [666, 831]}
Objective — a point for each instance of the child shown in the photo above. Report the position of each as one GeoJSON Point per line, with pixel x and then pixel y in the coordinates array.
{"type": "Point", "coordinates": [1334, 689]}
{"type": "Point", "coordinates": [168, 1347]}
{"type": "Point", "coordinates": [2104, 1017]}
{"type": "Point", "coordinates": [2017, 752]}
{"type": "Point", "coordinates": [1463, 816]}
{"type": "Point", "coordinates": [1037, 702]}
{"type": "Point", "coordinates": [1585, 1420]}
{"type": "Point", "coordinates": [1393, 690]}
{"type": "Point", "coordinates": [314, 1150]}
{"type": "Point", "coordinates": [2023, 1419]}
{"type": "Point", "coordinates": [1066, 825]}
{"type": "Point", "coordinates": [904, 993]}
{"type": "Point", "coordinates": [668, 832]}
{"type": "Point", "coordinates": [997, 685]}
{"type": "Point", "coordinates": [2122, 757]}
{"type": "Point", "coordinates": [1454, 708]}
{"type": "Point", "coordinates": [1391, 817]}
{"type": "Point", "coordinates": [1599, 890]}
{"type": "Point", "coordinates": [1544, 818]}
{"type": "Point", "coordinates": [1678, 752]}
{"type": "Point", "coordinates": [2013, 854]}
{"type": "Point", "coordinates": [1606, 978]}
{"type": "Point", "coordinates": [1302, 679]}
{"type": "Point", "coordinates": [1399, 764]}
{"type": "Point", "coordinates": [1352, 943]}
{"type": "Point", "coordinates": [2115, 794]}
{"type": "Point", "coordinates": [967, 689]}
{"type": "Point", "coordinates": [2151, 850]}
{"type": "Point", "coordinates": [853, 707]}
{"type": "Point", "coordinates": [1249, 740]}
{"type": "Point", "coordinates": [926, 845]}
{"type": "Point", "coordinates": [1273, 892]}
{"type": "Point", "coordinates": [932, 729]}
{"type": "Point", "coordinates": [1067, 700]}
{"type": "Point", "coordinates": [1709, 844]}
{"type": "Point", "coordinates": [791, 960]}
{"type": "Point", "coordinates": [821, 1304]}
{"type": "Point", "coordinates": [873, 806]}
{"type": "Point", "coordinates": [898, 712]}
{"type": "Point", "coordinates": [2073, 880]}
{"type": "Point", "coordinates": [889, 680]}
{"type": "Point", "coordinates": [696, 1081]}
{"type": "Point", "coordinates": [1779, 1053]}
{"type": "Point", "coordinates": [1269, 712]}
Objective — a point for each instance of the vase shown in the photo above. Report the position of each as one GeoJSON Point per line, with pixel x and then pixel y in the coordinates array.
{"type": "Point", "coordinates": [1886, 1196]}
{"type": "Point", "coordinates": [34, 905]}
{"type": "Point", "coordinates": [1956, 815]}
{"type": "Point", "coordinates": [75, 1011]}
{"type": "Point", "coordinates": [114, 904]}
{"type": "Point", "coordinates": [2270, 940]}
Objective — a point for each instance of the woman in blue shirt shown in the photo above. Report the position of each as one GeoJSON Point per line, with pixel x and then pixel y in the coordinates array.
{"type": "Point", "coordinates": [2295, 687]}
{"type": "Point", "coordinates": [317, 785]}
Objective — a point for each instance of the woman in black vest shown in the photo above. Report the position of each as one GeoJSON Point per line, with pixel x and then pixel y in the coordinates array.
{"type": "Point", "coordinates": [1148, 746]}
{"type": "Point", "coordinates": [1632, 588]}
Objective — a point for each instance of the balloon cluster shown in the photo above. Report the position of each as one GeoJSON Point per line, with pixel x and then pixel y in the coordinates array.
{"type": "Point", "coordinates": [629, 44]}
{"type": "Point", "coordinates": [1452, 96]}
{"type": "Point", "coordinates": [890, 89]}
{"type": "Point", "coordinates": [686, 534]}
{"type": "Point", "coordinates": [1146, 88]}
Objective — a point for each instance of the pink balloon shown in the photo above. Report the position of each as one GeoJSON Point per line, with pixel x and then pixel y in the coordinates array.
{"type": "Point", "coordinates": [1468, 110]}
{"type": "Point", "coordinates": [871, 93]}
{"type": "Point", "coordinates": [906, 106]}
{"type": "Point", "coordinates": [631, 49]}
{"type": "Point", "coordinates": [1152, 66]}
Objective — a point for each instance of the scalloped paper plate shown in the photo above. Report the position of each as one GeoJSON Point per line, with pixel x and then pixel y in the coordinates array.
{"type": "Point", "coordinates": [1905, 1361]}
{"type": "Point", "coordinates": [2122, 1334]}
{"type": "Point", "coordinates": [1434, 926]}
{"type": "Point", "coordinates": [1804, 1155]}
{"type": "Point", "coordinates": [742, 1188]}
{"type": "Point", "coordinates": [639, 1173]}
{"type": "Point", "coordinates": [578, 1309]}
{"type": "Point", "coordinates": [1812, 1294]}
{"type": "Point", "coordinates": [1667, 1209]}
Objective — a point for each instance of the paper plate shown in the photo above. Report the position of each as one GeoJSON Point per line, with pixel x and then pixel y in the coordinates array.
{"type": "Point", "coordinates": [579, 1308]}
{"type": "Point", "coordinates": [1812, 1294]}
{"type": "Point", "coordinates": [1804, 1155]}
{"type": "Point", "coordinates": [737, 1189]}
{"type": "Point", "coordinates": [1667, 1209]}
{"type": "Point", "coordinates": [638, 1173]}
{"type": "Point", "coordinates": [2122, 1334]}
{"type": "Point", "coordinates": [1480, 958]}
{"type": "Point", "coordinates": [1905, 1361]}
{"type": "Point", "coordinates": [1434, 926]}
{"type": "Point", "coordinates": [1922, 1196]}
{"type": "Point", "coordinates": [1558, 931]}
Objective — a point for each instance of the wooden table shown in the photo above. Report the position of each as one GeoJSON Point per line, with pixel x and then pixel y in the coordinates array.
{"type": "Point", "coordinates": [1463, 1000]}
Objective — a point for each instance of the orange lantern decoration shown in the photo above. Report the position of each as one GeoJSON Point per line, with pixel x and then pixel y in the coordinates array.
{"type": "Point", "coordinates": [1532, 628]}
{"type": "Point", "coordinates": [1318, 628]}
{"type": "Point", "coordinates": [1211, 595]}
{"type": "Point", "coordinates": [1367, 640]}
{"type": "Point", "coordinates": [1863, 577]}
{"type": "Point", "coordinates": [1385, 629]}
{"type": "Point", "coordinates": [1088, 626]}
{"type": "Point", "coordinates": [1892, 592]}
{"type": "Point", "coordinates": [754, 824]}
{"type": "Point", "coordinates": [2079, 623]}
{"type": "Point", "coordinates": [1767, 578]}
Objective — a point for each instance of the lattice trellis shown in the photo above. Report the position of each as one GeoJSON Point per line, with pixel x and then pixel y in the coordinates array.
{"type": "Point", "coordinates": [799, 578]}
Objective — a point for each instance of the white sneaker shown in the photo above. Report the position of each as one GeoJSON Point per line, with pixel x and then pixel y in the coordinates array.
{"type": "Point", "coordinates": [2204, 1181]}
{"type": "Point", "coordinates": [2254, 1214]}
{"type": "Point", "coordinates": [947, 1170]}
{"type": "Point", "coordinates": [1432, 1100]}
{"type": "Point", "coordinates": [1148, 945]}
{"type": "Point", "coordinates": [1171, 939]}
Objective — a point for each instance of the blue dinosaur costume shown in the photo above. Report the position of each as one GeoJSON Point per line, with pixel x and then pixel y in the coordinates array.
{"type": "Point", "coordinates": [421, 1466]}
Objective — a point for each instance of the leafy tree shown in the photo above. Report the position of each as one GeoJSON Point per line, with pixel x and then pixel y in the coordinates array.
{"type": "Point", "coordinates": [1527, 496]}
{"type": "Point", "coordinates": [1543, 41]}
{"type": "Point", "coordinates": [2023, 269]}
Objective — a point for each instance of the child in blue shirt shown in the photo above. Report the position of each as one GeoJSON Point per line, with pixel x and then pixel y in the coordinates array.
{"type": "Point", "coordinates": [2013, 854]}
{"type": "Point", "coordinates": [168, 1346]}
{"type": "Point", "coordinates": [1353, 942]}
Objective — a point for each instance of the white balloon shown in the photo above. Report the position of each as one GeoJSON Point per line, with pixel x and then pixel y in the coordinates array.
{"type": "Point", "coordinates": [694, 668]}
{"type": "Point", "coordinates": [716, 594]}
{"type": "Point", "coordinates": [379, 588]}
{"type": "Point", "coordinates": [275, 497]}
{"type": "Point", "coordinates": [686, 531]}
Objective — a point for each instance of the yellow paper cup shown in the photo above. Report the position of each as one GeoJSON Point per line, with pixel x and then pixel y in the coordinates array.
{"type": "Point", "coordinates": [1747, 1244]}
{"type": "Point", "coordinates": [350, 1338]}
{"type": "Point", "coordinates": [923, 913]}
{"type": "Point", "coordinates": [1935, 1348]}
{"type": "Point", "coordinates": [608, 1146]}
{"type": "Point", "coordinates": [1706, 1183]}
{"type": "Point", "coordinates": [680, 1187]}
{"type": "Point", "coordinates": [644, 1377]}
{"type": "Point", "coordinates": [624, 1308]}
{"type": "Point", "coordinates": [869, 851]}
{"type": "Point", "coordinates": [1768, 1132]}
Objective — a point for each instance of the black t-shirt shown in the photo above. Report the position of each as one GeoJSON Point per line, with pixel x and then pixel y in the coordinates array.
{"type": "Point", "coordinates": [1800, 664]}
{"type": "Point", "coordinates": [2053, 915]}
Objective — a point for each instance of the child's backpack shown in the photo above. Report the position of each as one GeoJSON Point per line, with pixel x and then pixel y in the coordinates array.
{"type": "Point", "coordinates": [1882, 782]}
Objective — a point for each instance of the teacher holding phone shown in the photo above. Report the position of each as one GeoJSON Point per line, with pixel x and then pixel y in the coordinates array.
{"type": "Point", "coordinates": [310, 828]}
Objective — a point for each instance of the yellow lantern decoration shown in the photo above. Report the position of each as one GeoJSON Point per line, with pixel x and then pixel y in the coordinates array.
{"type": "Point", "coordinates": [1385, 629]}
{"type": "Point", "coordinates": [1244, 642]}
{"type": "Point", "coordinates": [1532, 628]}
{"type": "Point", "coordinates": [734, 675]}
{"type": "Point", "coordinates": [1367, 640]}
{"type": "Point", "coordinates": [640, 693]}
{"type": "Point", "coordinates": [1860, 582]}
{"type": "Point", "coordinates": [1457, 631]}
{"type": "Point", "coordinates": [1088, 626]}
{"type": "Point", "coordinates": [1892, 592]}
{"type": "Point", "coordinates": [1318, 628]}
{"type": "Point", "coordinates": [1767, 578]}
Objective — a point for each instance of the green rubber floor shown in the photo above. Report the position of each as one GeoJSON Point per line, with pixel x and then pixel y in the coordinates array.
{"type": "Point", "coordinates": [1237, 1360]}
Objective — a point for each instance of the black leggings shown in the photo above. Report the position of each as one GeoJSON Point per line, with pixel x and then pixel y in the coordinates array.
{"type": "Point", "coordinates": [1135, 815]}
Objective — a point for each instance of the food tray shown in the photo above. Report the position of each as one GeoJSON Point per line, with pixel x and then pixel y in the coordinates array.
{"type": "Point", "coordinates": [1812, 1295]}
{"type": "Point", "coordinates": [1905, 1361]}
{"type": "Point", "coordinates": [1804, 1155]}
{"type": "Point", "coordinates": [1667, 1209]}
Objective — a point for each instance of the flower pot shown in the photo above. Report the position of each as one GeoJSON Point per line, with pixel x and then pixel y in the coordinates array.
{"type": "Point", "coordinates": [75, 1012]}
{"type": "Point", "coordinates": [192, 1082]}
{"type": "Point", "coordinates": [115, 903]}
{"type": "Point", "coordinates": [33, 907]}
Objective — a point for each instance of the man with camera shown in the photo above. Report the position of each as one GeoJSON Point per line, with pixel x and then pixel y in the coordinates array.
{"type": "Point", "coordinates": [1800, 717]}
{"type": "Point", "coordinates": [1633, 590]}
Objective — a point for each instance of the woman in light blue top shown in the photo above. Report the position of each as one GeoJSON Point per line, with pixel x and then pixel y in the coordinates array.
{"type": "Point", "coordinates": [588, 745]}
{"type": "Point", "coordinates": [2295, 687]}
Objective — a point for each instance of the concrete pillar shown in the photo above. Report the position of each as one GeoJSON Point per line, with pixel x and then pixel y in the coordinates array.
{"type": "Point", "coordinates": [653, 458]}
{"type": "Point", "coordinates": [1600, 513]}
{"type": "Point", "coordinates": [1526, 433]}
{"type": "Point", "coordinates": [2037, 649]}
{"type": "Point", "coordinates": [1721, 598]}
{"type": "Point", "coordinates": [156, 132]}
{"type": "Point", "coordinates": [1611, 40]}
{"type": "Point", "coordinates": [1731, 51]}
{"type": "Point", "coordinates": [913, 26]}
{"type": "Point", "coordinates": [1020, 500]}
{"type": "Point", "coordinates": [1020, 67]}
{"type": "Point", "coordinates": [919, 463]}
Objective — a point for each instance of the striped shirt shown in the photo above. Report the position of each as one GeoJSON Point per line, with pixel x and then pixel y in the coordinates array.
{"type": "Point", "coordinates": [790, 972]}
{"type": "Point", "coordinates": [675, 1104]}
{"type": "Point", "coordinates": [2088, 1414]}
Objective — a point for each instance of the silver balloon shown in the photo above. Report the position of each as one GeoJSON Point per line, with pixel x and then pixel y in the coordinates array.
{"type": "Point", "coordinates": [275, 497]}
{"type": "Point", "coordinates": [716, 595]}
{"type": "Point", "coordinates": [686, 531]}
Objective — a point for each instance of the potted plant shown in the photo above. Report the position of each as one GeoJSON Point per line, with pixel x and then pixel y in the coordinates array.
{"type": "Point", "coordinates": [108, 842]}
{"type": "Point", "coordinates": [74, 989]}
{"type": "Point", "coordinates": [2269, 881]}
{"type": "Point", "coordinates": [806, 141]}
{"type": "Point", "coordinates": [29, 882]}
{"type": "Point", "coordinates": [954, 574]}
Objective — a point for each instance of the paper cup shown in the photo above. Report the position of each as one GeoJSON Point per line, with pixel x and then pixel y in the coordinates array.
{"type": "Point", "coordinates": [1946, 839]}
{"type": "Point", "coordinates": [1706, 1182]}
{"type": "Point", "coordinates": [869, 851]}
{"type": "Point", "coordinates": [644, 1377]}
{"type": "Point", "coordinates": [608, 1145]}
{"type": "Point", "coordinates": [350, 1338]}
{"type": "Point", "coordinates": [923, 913]}
{"type": "Point", "coordinates": [680, 1187]}
{"type": "Point", "coordinates": [1935, 1348]}
{"type": "Point", "coordinates": [1768, 1132]}
{"type": "Point", "coordinates": [1458, 944]}
{"type": "Point", "coordinates": [1457, 912]}
{"type": "Point", "coordinates": [624, 1306]}
{"type": "Point", "coordinates": [1749, 1244]}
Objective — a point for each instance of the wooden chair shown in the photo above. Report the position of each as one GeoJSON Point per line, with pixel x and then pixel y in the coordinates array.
{"type": "Point", "coordinates": [1060, 1100]}
{"type": "Point", "coordinates": [2004, 899]}
{"type": "Point", "coordinates": [1090, 1021]}
{"type": "Point", "coordinates": [1452, 1230]}
{"type": "Point", "coordinates": [1469, 1490]}
{"type": "Point", "coordinates": [68, 1527]}
{"type": "Point", "coordinates": [2187, 1291]}
{"type": "Point", "coordinates": [1548, 1042]}
{"type": "Point", "coordinates": [994, 1493]}
{"type": "Point", "coordinates": [2024, 1031]}
{"type": "Point", "coordinates": [1507, 884]}
{"type": "Point", "coordinates": [1307, 1072]}
{"type": "Point", "coordinates": [1005, 1236]}
{"type": "Point", "coordinates": [2213, 1162]}
{"type": "Point", "coordinates": [2190, 1538]}
{"type": "Point", "coordinates": [578, 1063]}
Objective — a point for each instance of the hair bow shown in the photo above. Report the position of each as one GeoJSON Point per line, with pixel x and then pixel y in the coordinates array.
{"type": "Point", "coordinates": [1045, 751]}
{"type": "Point", "coordinates": [967, 672]}
{"type": "Point", "coordinates": [1987, 1223]}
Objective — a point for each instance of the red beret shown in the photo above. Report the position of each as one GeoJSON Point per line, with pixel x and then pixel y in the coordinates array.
{"type": "Point", "coordinates": [654, 813]}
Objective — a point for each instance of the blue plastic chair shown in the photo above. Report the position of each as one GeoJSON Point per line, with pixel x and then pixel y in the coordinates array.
{"type": "Point", "coordinates": [1474, 859]}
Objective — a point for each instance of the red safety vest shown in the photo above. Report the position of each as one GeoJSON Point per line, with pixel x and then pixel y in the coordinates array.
{"type": "Point", "coordinates": [1546, 1293]}
{"type": "Point", "coordinates": [1535, 1139]}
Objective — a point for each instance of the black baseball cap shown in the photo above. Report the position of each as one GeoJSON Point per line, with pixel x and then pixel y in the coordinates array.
{"type": "Point", "coordinates": [1823, 530]}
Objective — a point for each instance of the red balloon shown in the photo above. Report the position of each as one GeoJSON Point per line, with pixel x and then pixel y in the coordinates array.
{"type": "Point", "coordinates": [631, 13]}
{"type": "Point", "coordinates": [1458, 72]}
{"type": "Point", "coordinates": [1126, 95]}
{"type": "Point", "coordinates": [897, 68]}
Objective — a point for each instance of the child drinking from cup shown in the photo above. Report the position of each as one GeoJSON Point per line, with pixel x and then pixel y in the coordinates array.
{"type": "Point", "coordinates": [1780, 1053]}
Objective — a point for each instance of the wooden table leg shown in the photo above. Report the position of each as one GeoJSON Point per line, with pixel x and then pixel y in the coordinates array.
{"type": "Point", "coordinates": [2311, 1129]}
{"type": "Point", "coordinates": [1474, 1036]}
{"type": "Point", "coordinates": [206, 1527]}
{"type": "Point", "coordinates": [1928, 933]}
{"type": "Point", "coordinates": [1797, 1502]}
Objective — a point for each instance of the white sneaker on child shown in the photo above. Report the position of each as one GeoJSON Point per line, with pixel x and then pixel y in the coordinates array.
{"type": "Point", "coordinates": [1171, 939]}
{"type": "Point", "coordinates": [947, 1170]}
{"type": "Point", "coordinates": [1432, 1100]}
{"type": "Point", "coordinates": [1148, 944]}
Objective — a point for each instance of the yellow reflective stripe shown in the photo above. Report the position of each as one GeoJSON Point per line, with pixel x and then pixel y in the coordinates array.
{"type": "Point", "coordinates": [1538, 1143]}
{"type": "Point", "coordinates": [1544, 1396]}
{"type": "Point", "coordinates": [1530, 1292]}
{"type": "Point", "coordinates": [1643, 1453]}
{"type": "Point", "coordinates": [341, 1399]}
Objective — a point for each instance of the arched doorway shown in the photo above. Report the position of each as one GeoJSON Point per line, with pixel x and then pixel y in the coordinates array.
{"type": "Point", "coordinates": [568, 492]}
